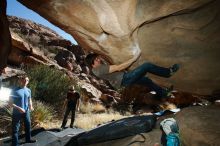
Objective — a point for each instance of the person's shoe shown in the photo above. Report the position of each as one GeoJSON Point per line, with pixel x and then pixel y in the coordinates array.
{"type": "Point", "coordinates": [62, 128]}
{"type": "Point", "coordinates": [71, 126]}
{"type": "Point", "coordinates": [174, 68]}
{"type": "Point", "coordinates": [31, 141]}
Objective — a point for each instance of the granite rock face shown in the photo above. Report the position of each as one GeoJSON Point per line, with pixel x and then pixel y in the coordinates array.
{"type": "Point", "coordinates": [167, 32]}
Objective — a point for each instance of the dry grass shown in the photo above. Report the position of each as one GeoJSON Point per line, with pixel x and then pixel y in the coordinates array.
{"type": "Point", "coordinates": [89, 108]}
{"type": "Point", "coordinates": [52, 124]}
{"type": "Point", "coordinates": [89, 121]}
{"type": "Point", "coordinates": [86, 121]}
{"type": "Point", "coordinates": [90, 116]}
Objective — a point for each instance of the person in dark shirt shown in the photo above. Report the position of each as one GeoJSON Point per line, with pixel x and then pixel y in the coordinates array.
{"type": "Point", "coordinates": [71, 103]}
{"type": "Point", "coordinates": [117, 76]}
{"type": "Point", "coordinates": [20, 100]}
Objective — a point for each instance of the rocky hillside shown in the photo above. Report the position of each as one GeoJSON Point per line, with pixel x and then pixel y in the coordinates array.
{"type": "Point", "coordinates": [34, 44]}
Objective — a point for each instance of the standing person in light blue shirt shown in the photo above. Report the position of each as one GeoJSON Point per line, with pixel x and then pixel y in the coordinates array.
{"type": "Point", "coordinates": [21, 102]}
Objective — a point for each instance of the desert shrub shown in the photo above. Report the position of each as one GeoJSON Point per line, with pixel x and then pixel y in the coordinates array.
{"type": "Point", "coordinates": [5, 121]}
{"type": "Point", "coordinates": [48, 84]}
{"type": "Point", "coordinates": [42, 113]}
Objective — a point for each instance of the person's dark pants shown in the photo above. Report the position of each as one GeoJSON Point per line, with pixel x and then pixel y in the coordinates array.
{"type": "Point", "coordinates": [16, 118]}
{"type": "Point", "coordinates": [137, 76]}
{"type": "Point", "coordinates": [68, 110]}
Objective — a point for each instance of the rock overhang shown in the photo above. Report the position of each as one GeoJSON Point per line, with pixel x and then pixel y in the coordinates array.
{"type": "Point", "coordinates": [167, 32]}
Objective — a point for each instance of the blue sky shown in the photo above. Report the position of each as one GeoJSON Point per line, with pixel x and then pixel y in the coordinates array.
{"type": "Point", "coordinates": [15, 8]}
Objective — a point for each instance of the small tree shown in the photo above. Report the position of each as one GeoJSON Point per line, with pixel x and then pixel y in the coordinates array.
{"type": "Point", "coordinates": [48, 84]}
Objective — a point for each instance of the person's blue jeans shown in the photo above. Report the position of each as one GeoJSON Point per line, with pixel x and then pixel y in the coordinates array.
{"type": "Point", "coordinates": [16, 118]}
{"type": "Point", "coordinates": [137, 76]}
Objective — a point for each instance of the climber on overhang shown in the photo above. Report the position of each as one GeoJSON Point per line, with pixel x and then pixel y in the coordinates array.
{"type": "Point", "coordinates": [117, 76]}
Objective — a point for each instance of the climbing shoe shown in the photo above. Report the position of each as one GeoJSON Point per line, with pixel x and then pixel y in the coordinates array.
{"type": "Point", "coordinates": [174, 68]}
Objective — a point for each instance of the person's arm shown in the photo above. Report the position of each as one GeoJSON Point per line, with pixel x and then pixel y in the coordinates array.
{"type": "Point", "coordinates": [65, 103]}
{"type": "Point", "coordinates": [30, 104]}
{"type": "Point", "coordinates": [114, 68]}
{"type": "Point", "coordinates": [1, 72]}
{"type": "Point", "coordinates": [77, 105]}
{"type": "Point", "coordinates": [21, 110]}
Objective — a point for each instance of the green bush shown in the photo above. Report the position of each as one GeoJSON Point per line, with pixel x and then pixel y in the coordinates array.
{"type": "Point", "coordinates": [42, 113]}
{"type": "Point", "coordinates": [48, 84]}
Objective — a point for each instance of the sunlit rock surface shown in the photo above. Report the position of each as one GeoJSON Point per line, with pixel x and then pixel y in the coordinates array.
{"type": "Point", "coordinates": [31, 43]}
{"type": "Point", "coordinates": [167, 32]}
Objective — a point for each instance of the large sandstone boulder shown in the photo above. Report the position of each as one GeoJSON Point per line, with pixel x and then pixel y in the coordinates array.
{"type": "Point", "coordinates": [199, 126]}
{"type": "Point", "coordinates": [167, 32]}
